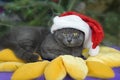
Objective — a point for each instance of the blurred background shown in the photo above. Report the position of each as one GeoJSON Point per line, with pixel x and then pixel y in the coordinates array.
{"type": "Point", "coordinates": [15, 13]}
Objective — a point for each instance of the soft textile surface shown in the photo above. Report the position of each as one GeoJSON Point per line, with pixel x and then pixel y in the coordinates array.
{"type": "Point", "coordinates": [13, 68]}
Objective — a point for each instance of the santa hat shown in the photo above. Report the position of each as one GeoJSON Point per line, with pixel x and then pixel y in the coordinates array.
{"type": "Point", "coordinates": [92, 29]}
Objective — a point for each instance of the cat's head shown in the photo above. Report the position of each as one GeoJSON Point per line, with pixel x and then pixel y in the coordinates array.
{"type": "Point", "coordinates": [69, 37]}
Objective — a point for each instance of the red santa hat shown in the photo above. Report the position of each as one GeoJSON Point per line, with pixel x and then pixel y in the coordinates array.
{"type": "Point", "coordinates": [92, 29]}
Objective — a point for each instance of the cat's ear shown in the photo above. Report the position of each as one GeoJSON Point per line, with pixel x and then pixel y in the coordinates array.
{"type": "Point", "coordinates": [55, 32]}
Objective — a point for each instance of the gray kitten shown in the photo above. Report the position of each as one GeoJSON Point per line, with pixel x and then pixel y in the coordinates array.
{"type": "Point", "coordinates": [66, 41]}
{"type": "Point", "coordinates": [25, 41]}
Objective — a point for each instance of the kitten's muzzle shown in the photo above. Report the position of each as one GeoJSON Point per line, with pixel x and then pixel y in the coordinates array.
{"type": "Point", "coordinates": [69, 41]}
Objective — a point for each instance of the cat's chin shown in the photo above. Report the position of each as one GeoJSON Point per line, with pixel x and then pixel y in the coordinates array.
{"type": "Point", "coordinates": [70, 45]}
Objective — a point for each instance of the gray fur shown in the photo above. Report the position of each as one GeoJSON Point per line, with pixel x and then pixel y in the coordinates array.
{"type": "Point", "coordinates": [24, 41]}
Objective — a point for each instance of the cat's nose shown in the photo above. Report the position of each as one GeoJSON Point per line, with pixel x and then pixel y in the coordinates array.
{"type": "Point", "coordinates": [69, 40]}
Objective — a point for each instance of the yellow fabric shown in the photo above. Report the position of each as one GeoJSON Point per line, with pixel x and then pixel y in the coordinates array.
{"type": "Point", "coordinates": [62, 65]}
{"type": "Point", "coordinates": [10, 66]}
{"type": "Point", "coordinates": [108, 56]}
{"type": "Point", "coordinates": [30, 71]}
{"type": "Point", "coordinates": [76, 67]}
{"type": "Point", "coordinates": [8, 55]}
{"type": "Point", "coordinates": [99, 70]}
{"type": "Point", "coordinates": [85, 53]}
{"type": "Point", "coordinates": [55, 70]}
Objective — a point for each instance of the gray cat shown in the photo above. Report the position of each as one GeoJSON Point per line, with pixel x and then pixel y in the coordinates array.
{"type": "Point", "coordinates": [25, 41]}
{"type": "Point", "coordinates": [64, 41]}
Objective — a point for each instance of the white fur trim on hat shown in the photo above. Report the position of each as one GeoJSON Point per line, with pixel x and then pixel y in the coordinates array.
{"type": "Point", "coordinates": [71, 21]}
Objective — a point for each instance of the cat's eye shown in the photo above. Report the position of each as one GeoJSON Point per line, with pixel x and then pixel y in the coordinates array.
{"type": "Point", "coordinates": [75, 34]}
{"type": "Point", "coordinates": [64, 34]}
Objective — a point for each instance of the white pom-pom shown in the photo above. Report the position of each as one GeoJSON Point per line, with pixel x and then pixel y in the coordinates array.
{"type": "Point", "coordinates": [94, 52]}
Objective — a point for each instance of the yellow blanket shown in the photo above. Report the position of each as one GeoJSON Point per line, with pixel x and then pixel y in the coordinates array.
{"type": "Point", "coordinates": [99, 66]}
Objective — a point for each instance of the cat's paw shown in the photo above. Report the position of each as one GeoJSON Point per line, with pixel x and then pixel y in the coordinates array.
{"type": "Point", "coordinates": [29, 57]}
{"type": "Point", "coordinates": [34, 58]}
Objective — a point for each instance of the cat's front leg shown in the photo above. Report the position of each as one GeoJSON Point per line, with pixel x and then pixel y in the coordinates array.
{"type": "Point", "coordinates": [77, 52]}
{"type": "Point", "coordinates": [50, 54]}
{"type": "Point", "coordinates": [27, 56]}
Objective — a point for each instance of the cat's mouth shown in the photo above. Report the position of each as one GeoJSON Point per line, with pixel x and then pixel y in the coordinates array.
{"type": "Point", "coordinates": [70, 45]}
